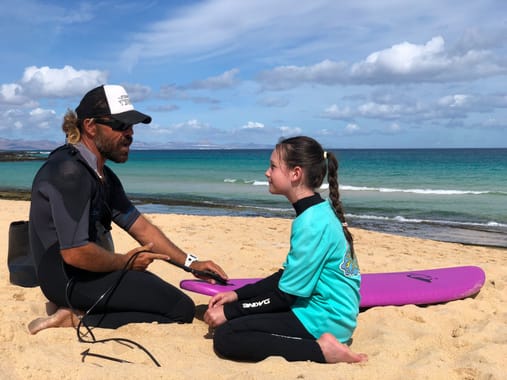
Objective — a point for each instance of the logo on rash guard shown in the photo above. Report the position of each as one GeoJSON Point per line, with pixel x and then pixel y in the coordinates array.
{"type": "Point", "coordinates": [249, 305]}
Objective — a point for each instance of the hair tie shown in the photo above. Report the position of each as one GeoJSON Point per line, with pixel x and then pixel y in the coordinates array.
{"type": "Point", "coordinates": [325, 155]}
{"type": "Point", "coordinates": [344, 224]}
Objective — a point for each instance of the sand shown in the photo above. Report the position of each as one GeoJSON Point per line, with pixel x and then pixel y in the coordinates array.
{"type": "Point", "coordinates": [465, 339]}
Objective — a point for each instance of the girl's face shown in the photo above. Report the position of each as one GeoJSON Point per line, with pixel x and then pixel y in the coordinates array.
{"type": "Point", "coordinates": [278, 175]}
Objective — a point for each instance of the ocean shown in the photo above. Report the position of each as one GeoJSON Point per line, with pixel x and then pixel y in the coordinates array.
{"type": "Point", "coordinates": [455, 195]}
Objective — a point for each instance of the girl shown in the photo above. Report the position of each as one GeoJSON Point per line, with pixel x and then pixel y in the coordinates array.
{"type": "Point", "coordinates": [308, 309]}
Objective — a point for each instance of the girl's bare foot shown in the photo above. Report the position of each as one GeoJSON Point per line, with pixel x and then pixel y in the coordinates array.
{"type": "Point", "coordinates": [63, 317]}
{"type": "Point", "coordinates": [336, 352]}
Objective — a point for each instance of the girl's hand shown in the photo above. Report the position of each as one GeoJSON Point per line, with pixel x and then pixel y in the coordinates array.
{"type": "Point", "coordinates": [220, 299]}
{"type": "Point", "coordinates": [215, 316]}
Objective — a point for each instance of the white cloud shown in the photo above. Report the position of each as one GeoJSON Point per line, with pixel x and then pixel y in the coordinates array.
{"type": "Point", "coordinates": [32, 124]}
{"type": "Point", "coordinates": [494, 123]}
{"type": "Point", "coordinates": [290, 131]}
{"type": "Point", "coordinates": [403, 108]}
{"type": "Point", "coordinates": [407, 62]}
{"type": "Point", "coordinates": [41, 114]}
{"type": "Point", "coordinates": [253, 125]}
{"type": "Point", "coordinates": [42, 13]}
{"type": "Point", "coordinates": [183, 132]}
{"type": "Point", "coordinates": [326, 72]}
{"type": "Point", "coordinates": [211, 28]}
{"type": "Point", "coordinates": [404, 59]}
{"type": "Point", "coordinates": [352, 128]}
{"type": "Point", "coordinates": [401, 63]}
{"type": "Point", "coordinates": [225, 80]}
{"type": "Point", "coordinates": [273, 102]}
{"type": "Point", "coordinates": [326, 132]}
{"type": "Point", "coordinates": [193, 125]}
{"type": "Point", "coordinates": [376, 110]}
{"type": "Point", "coordinates": [393, 128]}
{"type": "Point", "coordinates": [58, 83]}
{"type": "Point", "coordinates": [335, 112]}
{"type": "Point", "coordinates": [180, 93]}
{"type": "Point", "coordinates": [164, 108]}
{"type": "Point", "coordinates": [258, 133]}
{"type": "Point", "coordinates": [367, 110]}
{"type": "Point", "coordinates": [170, 91]}
{"type": "Point", "coordinates": [12, 94]}
{"type": "Point", "coordinates": [137, 92]}
{"type": "Point", "coordinates": [454, 101]}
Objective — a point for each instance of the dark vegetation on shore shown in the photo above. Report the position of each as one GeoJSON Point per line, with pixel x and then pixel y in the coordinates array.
{"type": "Point", "coordinates": [15, 195]}
{"type": "Point", "coordinates": [21, 155]}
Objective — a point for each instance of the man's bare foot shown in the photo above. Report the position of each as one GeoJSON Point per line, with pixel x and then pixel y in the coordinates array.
{"type": "Point", "coordinates": [63, 317]}
{"type": "Point", "coordinates": [336, 352]}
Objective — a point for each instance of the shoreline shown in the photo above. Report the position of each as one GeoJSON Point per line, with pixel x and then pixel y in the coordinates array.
{"type": "Point", "coordinates": [485, 237]}
{"type": "Point", "coordinates": [16, 195]}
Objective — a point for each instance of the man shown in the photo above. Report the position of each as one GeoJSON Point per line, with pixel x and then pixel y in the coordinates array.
{"type": "Point", "coordinates": [75, 197]}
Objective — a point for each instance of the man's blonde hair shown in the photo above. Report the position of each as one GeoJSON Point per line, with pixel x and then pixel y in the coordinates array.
{"type": "Point", "coordinates": [71, 127]}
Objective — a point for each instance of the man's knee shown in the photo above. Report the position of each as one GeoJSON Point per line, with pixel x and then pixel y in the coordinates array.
{"type": "Point", "coordinates": [185, 309]}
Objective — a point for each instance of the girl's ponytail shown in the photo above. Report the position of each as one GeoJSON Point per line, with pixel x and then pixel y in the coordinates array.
{"type": "Point", "coordinates": [334, 196]}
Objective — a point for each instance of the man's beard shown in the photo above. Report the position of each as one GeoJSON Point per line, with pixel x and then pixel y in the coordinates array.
{"type": "Point", "coordinates": [115, 151]}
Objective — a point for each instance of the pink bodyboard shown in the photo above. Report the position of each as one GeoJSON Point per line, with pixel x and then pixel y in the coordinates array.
{"type": "Point", "coordinates": [421, 287]}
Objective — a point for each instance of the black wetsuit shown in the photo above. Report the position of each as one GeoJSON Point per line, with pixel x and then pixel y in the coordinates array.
{"type": "Point", "coordinates": [72, 206]}
{"type": "Point", "coordinates": [261, 324]}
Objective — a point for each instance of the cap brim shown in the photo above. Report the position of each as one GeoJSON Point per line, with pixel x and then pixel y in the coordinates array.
{"type": "Point", "coordinates": [132, 117]}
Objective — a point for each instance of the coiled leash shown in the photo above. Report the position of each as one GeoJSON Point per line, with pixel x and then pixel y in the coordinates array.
{"type": "Point", "coordinates": [82, 336]}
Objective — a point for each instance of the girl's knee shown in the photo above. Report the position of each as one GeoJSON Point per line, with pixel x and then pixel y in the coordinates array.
{"type": "Point", "coordinates": [223, 341]}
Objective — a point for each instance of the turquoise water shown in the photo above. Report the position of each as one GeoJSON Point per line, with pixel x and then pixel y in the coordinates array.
{"type": "Point", "coordinates": [446, 194]}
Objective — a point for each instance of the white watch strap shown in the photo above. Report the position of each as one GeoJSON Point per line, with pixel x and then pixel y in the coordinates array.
{"type": "Point", "coordinates": [190, 259]}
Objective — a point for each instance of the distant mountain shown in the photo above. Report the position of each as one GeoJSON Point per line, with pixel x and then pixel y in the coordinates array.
{"type": "Point", "coordinates": [6, 144]}
{"type": "Point", "coordinates": [45, 145]}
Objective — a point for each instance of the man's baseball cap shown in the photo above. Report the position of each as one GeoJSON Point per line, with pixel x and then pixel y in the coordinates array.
{"type": "Point", "coordinates": [110, 100]}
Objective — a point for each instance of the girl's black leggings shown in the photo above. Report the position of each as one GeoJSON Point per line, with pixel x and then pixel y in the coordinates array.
{"type": "Point", "coordinates": [254, 337]}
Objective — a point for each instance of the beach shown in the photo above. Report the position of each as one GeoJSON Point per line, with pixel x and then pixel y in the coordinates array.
{"type": "Point", "coordinates": [464, 339]}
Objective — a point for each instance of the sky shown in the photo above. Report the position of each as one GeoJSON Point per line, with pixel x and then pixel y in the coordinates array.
{"type": "Point", "coordinates": [243, 74]}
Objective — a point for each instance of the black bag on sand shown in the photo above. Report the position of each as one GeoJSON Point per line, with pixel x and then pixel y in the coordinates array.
{"type": "Point", "coordinates": [22, 270]}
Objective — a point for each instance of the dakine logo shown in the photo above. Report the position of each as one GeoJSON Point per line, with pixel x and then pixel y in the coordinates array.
{"type": "Point", "coordinates": [249, 305]}
{"type": "Point", "coordinates": [124, 100]}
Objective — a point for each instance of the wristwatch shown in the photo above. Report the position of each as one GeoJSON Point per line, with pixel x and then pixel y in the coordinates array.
{"type": "Point", "coordinates": [190, 259]}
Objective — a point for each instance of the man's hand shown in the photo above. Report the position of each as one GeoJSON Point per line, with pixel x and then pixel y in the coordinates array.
{"type": "Point", "coordinates": [208, 265]}
{"type": "Point", "coordinates": [144, 257]}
